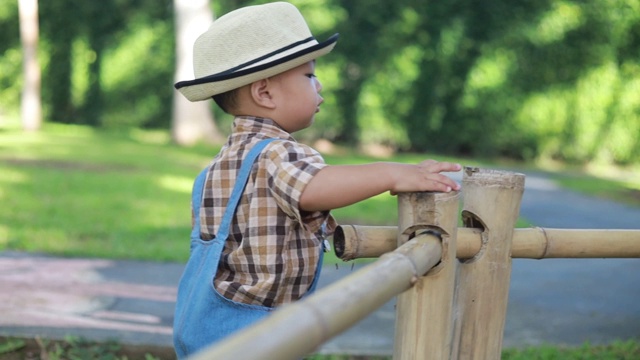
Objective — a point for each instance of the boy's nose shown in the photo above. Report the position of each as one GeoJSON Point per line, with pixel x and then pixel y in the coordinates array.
{"type": "Point", "coordinates": [318, 85]}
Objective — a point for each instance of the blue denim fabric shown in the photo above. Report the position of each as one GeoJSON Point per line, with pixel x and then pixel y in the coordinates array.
{"type": "Point", "coordinates": [202, 315]}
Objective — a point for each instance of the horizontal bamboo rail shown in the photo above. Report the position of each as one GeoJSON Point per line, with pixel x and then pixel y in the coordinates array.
{"type": "Point", "coordinates": [353, 242]}
{"type": "Point", "coordinates": [332, 309]}
{"type": "Point", "coordinates": [455, 310]}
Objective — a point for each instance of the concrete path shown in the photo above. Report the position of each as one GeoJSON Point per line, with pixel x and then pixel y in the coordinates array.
{"type": "Point", "coordinates": [556, 301]}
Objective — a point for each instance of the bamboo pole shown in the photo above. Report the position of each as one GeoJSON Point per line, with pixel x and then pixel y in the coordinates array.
{"type": "Point", "coordinates": [296, 330]}
{"type": "Point", "coordinates": [492, 203]}
{"type": "Point", "coordinates": [424, 329]}
{"type": "Point", "coordinates": [540, 243]}
{"type": "Point", "coordinates": [356, 242]}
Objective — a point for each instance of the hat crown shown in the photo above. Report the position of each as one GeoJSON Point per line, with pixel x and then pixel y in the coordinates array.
{"type": "Point", "coordinates": [238, 38]}
{"type": "Point", "coordinates": [250, 44]}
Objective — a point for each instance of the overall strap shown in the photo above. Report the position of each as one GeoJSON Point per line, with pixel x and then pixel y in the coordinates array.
{"type": "Point", "coordinates": [238, 188]}
{"type": "Point", "coordinates": [196, 194]}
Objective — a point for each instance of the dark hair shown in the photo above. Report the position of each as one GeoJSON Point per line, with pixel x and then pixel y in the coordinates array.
{"type": "Point", "coordinates": [227, 101]}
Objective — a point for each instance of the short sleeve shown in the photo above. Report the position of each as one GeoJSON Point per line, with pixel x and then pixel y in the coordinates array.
{"type": "Point", "coordinates": [290, 167]}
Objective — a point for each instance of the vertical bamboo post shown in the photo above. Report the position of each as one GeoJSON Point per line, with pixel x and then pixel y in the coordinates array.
{"type": "Point", "coordinates": [423, 323]}
{"type": "Point", "coordinates": [492, 203]}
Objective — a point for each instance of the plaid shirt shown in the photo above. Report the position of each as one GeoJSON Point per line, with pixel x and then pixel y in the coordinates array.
{"type": "Point", "coordinates": [273, 249]}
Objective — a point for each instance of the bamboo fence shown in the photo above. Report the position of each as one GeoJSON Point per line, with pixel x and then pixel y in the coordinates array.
{"type": "Point", "coordinates": [451, 282]}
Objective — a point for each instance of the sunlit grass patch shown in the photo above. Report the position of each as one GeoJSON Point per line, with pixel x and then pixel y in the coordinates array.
{"type": "Point", "coordinates": [70, 190]}
{"type": "Point", "coordinates": [77, 191]}
{"type": "Point", "coordinates": [626, 191]}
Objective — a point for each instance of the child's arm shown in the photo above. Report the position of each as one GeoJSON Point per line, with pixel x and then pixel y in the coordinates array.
{"type": "Point", "coordinates": [341, 185]}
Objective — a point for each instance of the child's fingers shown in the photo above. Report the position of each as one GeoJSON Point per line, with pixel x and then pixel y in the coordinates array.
{"type": "Point", "coordinates": [428, 178]}
{"type": "Point", "coordinates": [439, 182]}
{"type": "Point", "coordinates": [444, 166]}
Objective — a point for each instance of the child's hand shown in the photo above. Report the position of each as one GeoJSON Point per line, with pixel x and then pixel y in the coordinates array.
{"type": "Point", "coordinates": [425, 176]}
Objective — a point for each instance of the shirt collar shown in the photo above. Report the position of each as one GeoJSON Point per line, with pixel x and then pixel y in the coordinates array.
{"type": "Point", "coordinates": [267, 128]}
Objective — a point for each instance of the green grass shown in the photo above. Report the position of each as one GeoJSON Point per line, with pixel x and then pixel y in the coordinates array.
{"type": "Point", "coordinates": [619, 350]}
{"type": "Point", "coordinates": [75, 348]}
{"type": "Point", "coordinates": [75, 191]}
{"type": "Point", "coordinates": [70, 190]}
{"type": "Point", "coordinates": [72, 348]}
{"type": "Point", "coordinates": [624, 191]}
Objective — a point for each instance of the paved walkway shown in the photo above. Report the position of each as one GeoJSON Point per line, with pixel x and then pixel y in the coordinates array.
{"type": "Point", "coordinates": [557, 301]}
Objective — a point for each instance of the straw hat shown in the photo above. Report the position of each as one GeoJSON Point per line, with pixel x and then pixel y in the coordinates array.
{"type": "Point", "coordinates": [250, 44]}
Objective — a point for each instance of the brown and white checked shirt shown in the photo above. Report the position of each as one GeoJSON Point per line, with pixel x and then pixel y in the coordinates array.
{"type": "Point", "coordinates": [273, 249]}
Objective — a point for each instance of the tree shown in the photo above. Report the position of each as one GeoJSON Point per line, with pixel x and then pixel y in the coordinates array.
{"type": "Point", "coordinates": [31, 105]}
{"type": "Point", "coordinates": [362, 51]}
{"type": "Point", "coordinates": [191, 122]}
{"type": "Point", "coordinates": [59, 31]}
{"type": "Point", "coordinates": [99, 29]}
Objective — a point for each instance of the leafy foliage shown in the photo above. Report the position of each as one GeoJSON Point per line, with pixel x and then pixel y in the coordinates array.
{"type": "Point", "coordinates": [10, 59]}
{"type": "Point", "coordinates": [550, 79]}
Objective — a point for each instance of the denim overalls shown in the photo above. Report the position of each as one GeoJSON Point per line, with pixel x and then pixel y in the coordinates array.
{"type": "Point", "coordinates": [202, 315]}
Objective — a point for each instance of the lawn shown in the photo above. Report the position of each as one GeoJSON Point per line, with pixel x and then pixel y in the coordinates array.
{"type": "Point", "coordinates": [70, 190]}
{"type": "Point", "coordinates": [75, 191]}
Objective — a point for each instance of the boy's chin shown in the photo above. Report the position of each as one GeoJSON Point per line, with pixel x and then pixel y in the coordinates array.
{"type": "Point", "coordinates": [304, 125]}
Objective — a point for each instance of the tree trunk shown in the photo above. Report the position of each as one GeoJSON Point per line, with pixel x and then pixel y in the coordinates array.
{"type": "Point", "coordinates": [31, 105]}
{"type": "Point", "coordinates": [192, 121]}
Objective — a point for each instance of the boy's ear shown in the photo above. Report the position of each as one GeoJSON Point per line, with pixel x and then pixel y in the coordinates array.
{"type": "Point", "coordinates": [260, 92]}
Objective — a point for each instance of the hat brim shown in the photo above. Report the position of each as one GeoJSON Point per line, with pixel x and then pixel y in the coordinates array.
{"type": "Point", "coordinates": [208, 86]}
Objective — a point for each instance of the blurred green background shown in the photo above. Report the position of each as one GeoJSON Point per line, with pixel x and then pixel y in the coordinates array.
{"type": "Point", "coordinates": [546, 80]}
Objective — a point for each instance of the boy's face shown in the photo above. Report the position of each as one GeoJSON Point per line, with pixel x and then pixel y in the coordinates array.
{"type": "Point", "coordinates": [297, 95]}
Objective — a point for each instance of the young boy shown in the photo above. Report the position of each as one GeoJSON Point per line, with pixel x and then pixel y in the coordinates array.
{"type": "Point", "coordinates": [258, 64]}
